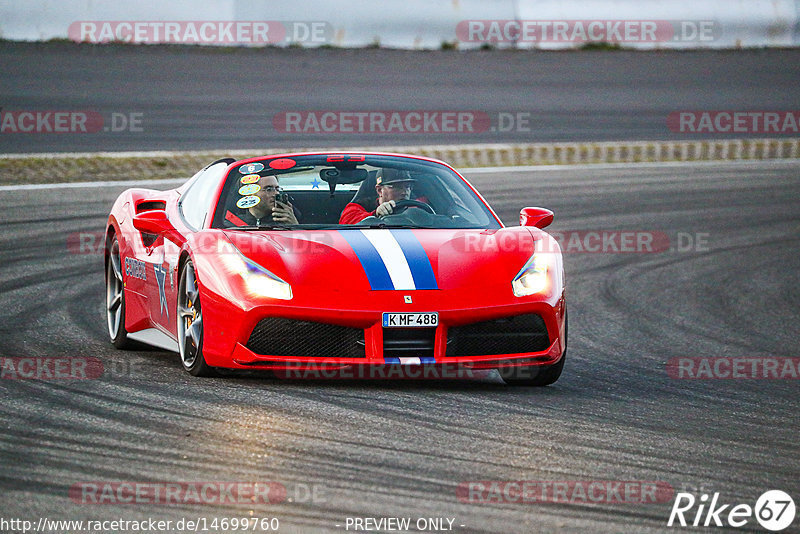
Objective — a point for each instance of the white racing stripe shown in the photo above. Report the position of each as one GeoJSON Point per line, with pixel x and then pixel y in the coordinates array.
{"type": "Point", "coordinates": [393, 258]}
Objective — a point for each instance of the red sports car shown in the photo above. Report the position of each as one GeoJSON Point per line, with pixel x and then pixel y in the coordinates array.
{"type": "Point", "coordinates": [323, 261]}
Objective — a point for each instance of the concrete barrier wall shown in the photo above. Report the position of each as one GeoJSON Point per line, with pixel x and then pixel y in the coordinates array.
{"type": "Point", "coordinates": [424, 24]}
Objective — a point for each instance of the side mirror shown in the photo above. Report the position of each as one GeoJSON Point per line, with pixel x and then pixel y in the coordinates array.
{"type": "Point", "coordinates": [538, 217]}
{"type": "Point", "coordinates": [156, 222]}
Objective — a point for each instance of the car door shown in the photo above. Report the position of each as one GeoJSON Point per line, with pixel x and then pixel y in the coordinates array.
{"type": "Point", "coordinates": [194, 206]}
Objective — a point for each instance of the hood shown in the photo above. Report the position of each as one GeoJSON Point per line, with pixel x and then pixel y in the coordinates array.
{"type": "Point", "coordinates": [390, 259]}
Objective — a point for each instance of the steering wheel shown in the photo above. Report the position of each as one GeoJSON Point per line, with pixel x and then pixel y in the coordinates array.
{"type": "Point", "coordinates": [402, 205]}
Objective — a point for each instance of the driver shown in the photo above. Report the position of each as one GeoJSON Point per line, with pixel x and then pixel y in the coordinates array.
{"type": "Point", "coordinates": [392, 186]}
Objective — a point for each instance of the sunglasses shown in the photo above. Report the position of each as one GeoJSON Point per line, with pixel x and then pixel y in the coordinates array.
{"type": "Point", "coordinates": [399, 185]}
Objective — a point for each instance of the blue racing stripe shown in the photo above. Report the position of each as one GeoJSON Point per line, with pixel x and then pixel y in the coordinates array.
{"type": "Point", "coordinates": [371, 261]}
{"type": "Point", "coordinates": [390, 359]}
{"type": "Point", "coordinates": [417, 258]}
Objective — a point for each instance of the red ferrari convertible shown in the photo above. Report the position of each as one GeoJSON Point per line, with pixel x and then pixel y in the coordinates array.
{"type": "Point", "coordinates": [332, 261]}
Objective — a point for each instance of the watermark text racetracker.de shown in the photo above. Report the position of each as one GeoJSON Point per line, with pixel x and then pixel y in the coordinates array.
{"type": "Point", "coordinates": [69, 122]}
{"type": "Point", "coordinates": [586, 31]}
{"type": "Point", "coordinates": [204, 493]}
{"type": "Point", "coordinates": [586, 242]}
{"type": "Point", "coordinates": [312, 242]}
{"type": "Point", "coordinates": [190, 32]}
{"type": "Point", "coordinates": [414, 121]}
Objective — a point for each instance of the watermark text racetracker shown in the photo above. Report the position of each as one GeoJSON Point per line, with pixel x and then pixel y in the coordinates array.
{"type": "Point", "coordinates": [69, 122]}
{"type": "Point", "coordinates": [734, 368]}
{"type": "Point", "coordinates": [564, 491]}
{"type": "Point", "coordinates": [243, 32]}
{"type": "Point", "coordinates": [382, 121]}
{"type": "Point", "coordinates": [172, 493]}
{"type": "Point", "coordinates": [785, 122]}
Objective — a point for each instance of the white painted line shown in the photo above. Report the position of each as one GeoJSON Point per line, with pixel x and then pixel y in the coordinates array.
{"type": "Point", "coordinates": [579, 166]}
{"type": "Point", "coordinates": [151, 154]}
{"type": "Point", "coordinates": [81, 185]}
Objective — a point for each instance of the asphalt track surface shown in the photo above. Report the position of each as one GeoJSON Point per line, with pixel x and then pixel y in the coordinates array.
{"type": "Point", "coordinates": [192, 98]}
{"type": "Point", "coordinates": [401, 448]}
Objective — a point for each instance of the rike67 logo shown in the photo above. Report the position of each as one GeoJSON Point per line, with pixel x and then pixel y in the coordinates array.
{"type": "Point", "coordinates": [774, 510]}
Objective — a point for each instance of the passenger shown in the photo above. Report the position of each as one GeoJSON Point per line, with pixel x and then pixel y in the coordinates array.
{"type": "Point", "coordinates": [269, 209]}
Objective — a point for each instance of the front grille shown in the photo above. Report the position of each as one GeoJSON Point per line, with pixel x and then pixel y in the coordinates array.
{"type": "Point", "coordinates": [276, 336]}
{"type": "Point", "coordinates": [408, 342]}
{"type": "Point", "coordinates": [510, 335]}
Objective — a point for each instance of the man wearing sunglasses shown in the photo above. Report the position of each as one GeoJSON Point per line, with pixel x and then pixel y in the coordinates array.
{"type": "Point", "coordinates": [392, 186]}
{"type": "Point", "coordinates": [268, 210]}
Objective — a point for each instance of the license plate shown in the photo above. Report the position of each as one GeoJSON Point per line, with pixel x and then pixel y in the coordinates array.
{"type": "Point", "coordinates": [410, 320]}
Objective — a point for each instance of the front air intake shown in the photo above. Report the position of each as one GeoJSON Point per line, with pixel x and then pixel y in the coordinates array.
{"type": "Point", "coordinates": [277, 336]}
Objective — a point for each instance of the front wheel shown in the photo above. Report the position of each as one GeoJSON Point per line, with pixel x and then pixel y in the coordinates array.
{"type": "Point", "coordinates": [190, 324]}
{"type": "Point", "coordinates": [533, 375]}
{"type": "Point", "coordinates": [115, 297]}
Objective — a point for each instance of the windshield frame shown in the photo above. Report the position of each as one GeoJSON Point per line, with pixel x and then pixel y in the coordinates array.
{"type": "Point", "coordinates": [349, 160]}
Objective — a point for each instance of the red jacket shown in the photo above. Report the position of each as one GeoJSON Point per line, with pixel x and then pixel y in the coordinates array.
{"type": "Point", "coordinates": [354, 213]}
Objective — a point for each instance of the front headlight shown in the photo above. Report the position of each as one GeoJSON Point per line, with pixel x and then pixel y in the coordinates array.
{"type": "Point", "coordinates": [258, 281]}
{"type": "Point", "coordinates": [533, 277]}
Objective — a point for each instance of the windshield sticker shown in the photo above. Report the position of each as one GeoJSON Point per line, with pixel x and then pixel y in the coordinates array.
{"type": "Point", "coordinates": [250, 189]}
{"type": "Point", "coordinates": [250, 168]}
{"type": "Point", "coordinates": [250, 179]}
{"type": "Point", "coordinates": [283, 163]}
{"type": "Point", "coordinates": [248, 202]}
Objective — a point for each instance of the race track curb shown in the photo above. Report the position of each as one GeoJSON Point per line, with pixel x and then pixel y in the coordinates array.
{"type": "Point", "coordinates": [110, 166]}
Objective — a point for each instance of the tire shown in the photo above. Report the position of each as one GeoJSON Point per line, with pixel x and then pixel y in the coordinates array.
{"type": "Point", "coordinates": [190, 324]}
{"type": "Point", "coordinates": [115, 297]}
{"type": "Point", "coordinates": [536, 376]}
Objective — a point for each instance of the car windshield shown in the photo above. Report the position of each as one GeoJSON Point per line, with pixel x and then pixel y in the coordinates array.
{"type": "Point", "coordinates": [340, 191]}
